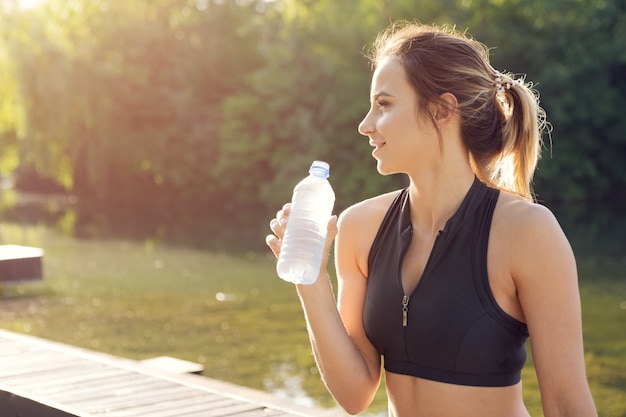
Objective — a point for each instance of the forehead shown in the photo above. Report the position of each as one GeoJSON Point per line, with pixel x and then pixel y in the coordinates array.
{"type": "Point", "coordinates": [390, 77]}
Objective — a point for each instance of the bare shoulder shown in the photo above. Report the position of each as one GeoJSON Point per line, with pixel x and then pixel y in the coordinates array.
{"type": "Point", "coordinates": [524, 219]}
{"type": "Point", "coordinates": [533, 236]}
{"type": "Point", "coordinates": [369, 209]}
{"type": "Point", "coordinates": [358, 226]}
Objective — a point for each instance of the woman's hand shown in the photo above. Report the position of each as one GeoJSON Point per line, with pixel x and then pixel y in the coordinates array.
{"type": "Point", "coordinates": [279, 223]}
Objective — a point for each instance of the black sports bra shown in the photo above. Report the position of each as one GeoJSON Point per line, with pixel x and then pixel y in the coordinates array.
{"type": "Point", "coordinates": [450, 328]}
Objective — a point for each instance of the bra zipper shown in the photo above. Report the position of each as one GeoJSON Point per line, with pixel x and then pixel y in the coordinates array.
{"type": "Point", "coordinates": [405, 310]}
{"type": "Point", "coordinates": [407, 298]}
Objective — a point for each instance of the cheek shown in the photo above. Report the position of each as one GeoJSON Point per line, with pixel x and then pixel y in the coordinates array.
{"type": "Point", "coordinates": [398, 127]}
{"type": "Point", "coordinates": [390, 125]}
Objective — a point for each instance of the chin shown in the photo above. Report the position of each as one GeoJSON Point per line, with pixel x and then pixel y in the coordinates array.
{"type": "Point", "coordinates": [384, 169]}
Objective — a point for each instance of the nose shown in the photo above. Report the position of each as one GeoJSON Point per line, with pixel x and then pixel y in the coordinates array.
{"type": "Point", "coordinates": [366, 127]}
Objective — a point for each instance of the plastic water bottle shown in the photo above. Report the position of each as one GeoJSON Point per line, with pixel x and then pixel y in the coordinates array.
{"type": "Point", "coordinates": [305, 236]}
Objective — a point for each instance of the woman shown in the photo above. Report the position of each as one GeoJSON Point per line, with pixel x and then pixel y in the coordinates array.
{"type": "Point", "coordinates": [442, 282]}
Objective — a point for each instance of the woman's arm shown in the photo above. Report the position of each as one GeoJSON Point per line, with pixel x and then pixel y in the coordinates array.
{"type": "Point", "coordinates": [348, 363]}
{"type": "Point", "coordinates": [544, 270]}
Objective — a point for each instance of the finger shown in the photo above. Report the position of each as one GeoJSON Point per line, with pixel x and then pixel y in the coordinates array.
{"type": "Point", "coordinates": [279, 224]}
{"type": "Point", "coordinates": [273, 243]}
{"type": "Point", "coordinates": [283, 213]}
{"type": "Point", "coordinates": [274, 224]}
{"type": "Point", "coordinates": [278, 228]}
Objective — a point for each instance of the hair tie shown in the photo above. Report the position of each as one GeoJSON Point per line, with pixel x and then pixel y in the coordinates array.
{"type": "Point", "coordinates": [501, 86]}
{"type": "Point", "coordinates": [507, 84]}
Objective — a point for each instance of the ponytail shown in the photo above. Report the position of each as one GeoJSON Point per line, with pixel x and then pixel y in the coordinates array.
{"type": "Point", "coordinates": [523, 122]}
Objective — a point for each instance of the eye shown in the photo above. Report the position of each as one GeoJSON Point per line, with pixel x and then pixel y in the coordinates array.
{"type": "Point", "coordinates": [381, 104]}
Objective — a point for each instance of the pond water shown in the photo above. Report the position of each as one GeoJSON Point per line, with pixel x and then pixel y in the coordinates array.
{"type": "Point", "coordinates": [244, 324]}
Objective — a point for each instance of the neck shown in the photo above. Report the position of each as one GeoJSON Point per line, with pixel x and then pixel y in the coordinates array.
{"type": "Point", "coordinates": [435, 198]}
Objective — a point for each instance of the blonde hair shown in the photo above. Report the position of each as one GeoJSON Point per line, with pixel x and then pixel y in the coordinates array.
{"type": "Point", "coordinates": [501, 127]}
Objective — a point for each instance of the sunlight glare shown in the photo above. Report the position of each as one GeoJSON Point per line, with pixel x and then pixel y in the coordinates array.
{"type": "Point", "coordinates": [30, 4]}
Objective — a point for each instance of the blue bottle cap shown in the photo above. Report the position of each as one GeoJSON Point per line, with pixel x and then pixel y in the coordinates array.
{"type": "Point", "coordinates": [320, 169]}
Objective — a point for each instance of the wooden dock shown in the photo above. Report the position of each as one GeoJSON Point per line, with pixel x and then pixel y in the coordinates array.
{"type": "Point", "coordinates": [41, 378]}
{"type": "Point", "coordinates": [20, 264]}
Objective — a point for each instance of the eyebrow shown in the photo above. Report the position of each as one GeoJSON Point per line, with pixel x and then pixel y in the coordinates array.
{"type": "Point", "coordinates": [380, 94]}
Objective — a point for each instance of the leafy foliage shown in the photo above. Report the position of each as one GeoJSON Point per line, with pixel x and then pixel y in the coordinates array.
{"type": "Point", "coordinates": [215, 108]}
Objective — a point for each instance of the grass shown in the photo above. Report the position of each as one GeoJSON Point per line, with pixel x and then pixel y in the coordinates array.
{"type": "Point", "coordinates": [144, 299]}
{"type": "Point", "coordinates": [231, 313]}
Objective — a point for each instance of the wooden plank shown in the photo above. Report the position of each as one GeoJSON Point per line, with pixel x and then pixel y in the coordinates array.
{"type": "Point", "coordinates": [136, 399]}
{"type": "Point", "coordinates": [173, 365]}
{"type": "Point", "coordinates": [66, 381]}
{"type": "Point", "coordinates": [50, 371]}
{"type": "Point", "coordinates": [178, 407]}
{"type": "Point", "coordinates": [80, 383]}
{"type": "Point", "coordinates": [261, 412]}
{"type": "Point", "coordinates": [124, 384]}
{"type": "Point", "coordinates": [20, 264]}
{"type": "Point", "coordinates": [266, 412]}
{"type": "Point", "coordinates": [33, 368]}
{"type": "Point", "coordinates": [14, 405]}
{"type": "Point", "coordinates": [121, 405]}
{"type": "Point", "coordinates": [22, 404]}
{"type": "Point", "coordinates": [233, 410]}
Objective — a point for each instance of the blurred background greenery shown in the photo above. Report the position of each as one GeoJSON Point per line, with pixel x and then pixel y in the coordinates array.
{"type": "Point", "coordinates": [161, 116]}
{"type": "Point", "coordinates": [144, 144]}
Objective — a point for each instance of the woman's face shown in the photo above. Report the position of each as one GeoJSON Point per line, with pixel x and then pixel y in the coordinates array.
{"type": "Point", "coordinates": [403, 140]}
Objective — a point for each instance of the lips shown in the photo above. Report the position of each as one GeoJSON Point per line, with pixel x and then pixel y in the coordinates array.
{"type": "Point", "coordinates": [377, 146]}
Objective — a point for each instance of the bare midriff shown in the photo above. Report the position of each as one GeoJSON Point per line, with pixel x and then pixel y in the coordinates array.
{"type": "Point", "coordinates": [415, 397]}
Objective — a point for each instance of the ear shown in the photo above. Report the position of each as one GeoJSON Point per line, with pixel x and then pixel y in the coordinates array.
{"type": "Point", "coordinates": [445, 109]}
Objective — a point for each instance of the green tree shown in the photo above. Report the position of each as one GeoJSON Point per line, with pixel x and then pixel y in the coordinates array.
{"type": "Point", "coordinates": [216, 108]}
{"type": "Point", "coordinates": [305, 103]}
{"type": "Point", "coordinates": [575, 52]}
{"type": "Point", "coordinates": [11, 115]}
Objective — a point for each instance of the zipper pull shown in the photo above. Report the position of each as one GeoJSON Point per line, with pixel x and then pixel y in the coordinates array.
{"type": "Point", "coordinates": [405, 310]}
